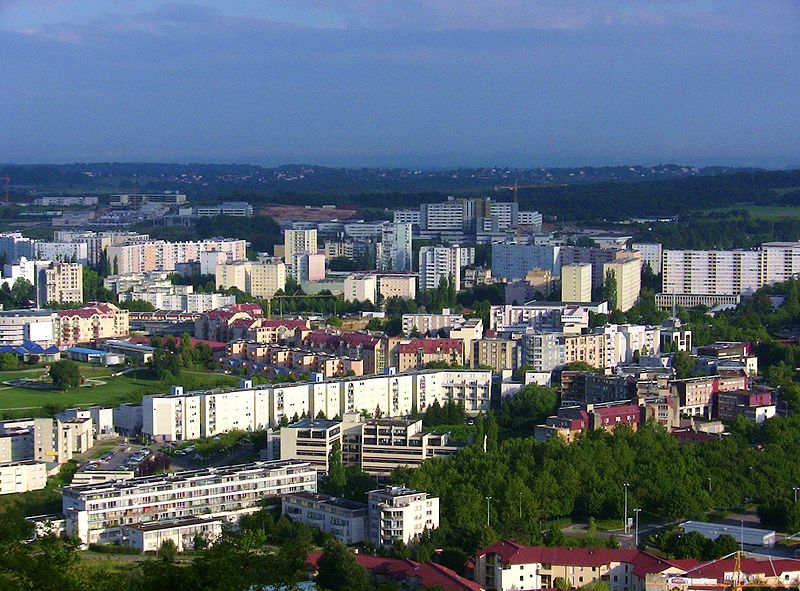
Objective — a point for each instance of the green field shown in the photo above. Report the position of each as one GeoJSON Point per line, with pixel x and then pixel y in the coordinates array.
{"type": "Point", "coordinates": [761, 212]}
{"type": "Point", "coordinates": [18, 402]}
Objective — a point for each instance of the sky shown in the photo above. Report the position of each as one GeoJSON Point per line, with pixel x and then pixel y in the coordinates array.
{"type": "Point", "coordinates": [418, 83]}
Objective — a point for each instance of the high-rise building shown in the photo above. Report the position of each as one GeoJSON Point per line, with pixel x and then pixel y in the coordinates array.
{"type": "Point", "coordinates": [711, 272]}
{"type": "Point", "coordinates": [437, 263]}
{"type": "Point", "coordinates": [259, 279]}
{"type": "Point", "coordinates": [576, 283]}
{"type": "Point", "coordinates": [361, 288]}
{"type": "Point", "coordinates": [628, 276]}
{"type": "Point", "coordinates": [14, 245]}
{"type": "Point", "coordinates": [400, 514]}
{"type": "Point", "coordinates": [514, 261]}
{"type": "Point", "coordinates": [651, 255]}
{"type": "Point", "coordinates": [60, 282]}
{"type": "Point", "coordinates": [298, 242]}
{"type": "Point", "coordinates": [159, 255]}
{"type": "Point", "coordinates": [307, 266]}
{"type": "Point", "coordinates": [397, 247]}
{"type": "Point", "coordinates": [68, 252]}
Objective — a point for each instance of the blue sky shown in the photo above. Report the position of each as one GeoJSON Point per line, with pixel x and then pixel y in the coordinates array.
{"type": "Point", "coordinates": [401, 82]}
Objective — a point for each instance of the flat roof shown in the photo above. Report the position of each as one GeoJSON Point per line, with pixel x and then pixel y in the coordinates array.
{"type": "Point", "coordinates": [315, 424]}
{"type": "Point", "coordinates": [726, 528]}
{"type": "Point", "coordinates": [171, 523]}
{"type": "Point", "coordinates": [328, 500]}
{"type": "Point", "coordinates": [86, 351]}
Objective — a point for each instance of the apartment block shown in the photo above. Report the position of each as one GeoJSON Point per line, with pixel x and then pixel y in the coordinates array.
{"type": "Point", "coordinates": [417, 353]}
{"type": "Point", "coordinates": [512, 261]}
{"type": "Point", "coordinates": [431, 323]}
{"type": "Point", "coordinates": [437, 263]}
{"type": "Point", "coordinates": [711, 272]}
{"type": "Point", "coordinates": [312, 440]}
{"type": "Point", "coordinates": [346, 520]}
{"type": "Point", "coordinates": [67, 252]}
{"type": "Point", "coordinates": [14, 245]}
{"type": "Point", "coordinates": [259, 279]}
{"type": "Point", "coordinates": [182, 531]}
{"type": "Point", "coordinates": [499, 354]}
{"type": "Point", "coordinates": [159, 255]}
{"type": "Point", "coordinates": [403, 286]}
{"type": "Point", "coordinates": [298, 242]}
{"type": "Point", "coordinates": [61, 283]}
{"type": "Point", "coordinates": [37, 326]}
{"type": "Point", "coordinates": [396, 240]}
{"type": "Point", "coordinates": [97, 512]}
{"type": "Point", "coordinates": [307, 266]}
{"type": "Point", "coordinates": [576, 283]}
{"type": "Point", "coordinates": [651, 255]}
{"type": "Point", "coordinates": [571, 421]}
{"type": "Point", "coordinates": [361, 288]}
{"type": "Point", "coordinates": [400, 514]}
{"type": "Point", "coordinates": [98, 321]}
{"type": "Point", "coordinates": [20, 477]}
{"type": "Point", "coordinates": [627, 273]}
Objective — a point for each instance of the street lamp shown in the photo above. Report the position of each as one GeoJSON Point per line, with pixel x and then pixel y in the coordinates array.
{"type": "Point", "coordinates": [636, 538]}
{"type": "Point", "coordinates": [625, 485]}
{"type": "Point", "coordinates": [487, 511]}
{"type": "Point", "coordinates": [709, 485]}
{"type": "Point", "coordinates": [795, 489]}
{"type": "Point", "coordinates": [520, 502]}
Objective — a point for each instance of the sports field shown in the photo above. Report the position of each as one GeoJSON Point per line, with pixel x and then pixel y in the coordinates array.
{"type": "Point", "coordinates": [17, 402]}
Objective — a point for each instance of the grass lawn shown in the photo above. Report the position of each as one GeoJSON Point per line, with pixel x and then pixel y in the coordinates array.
{"type": "Point", "coordinates": [761, 212]}
{"type": "Point", "coordinates": [18, 402]}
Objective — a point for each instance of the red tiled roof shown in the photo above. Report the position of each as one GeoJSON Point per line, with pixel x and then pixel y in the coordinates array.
{"type": "Point", "coordinates": [428, 573]}
{"type": "Point", "coordinates": [512, 553]}
{"type": "Point", "coordinates": [716, 569]}
{"type": "Point", "coordinates": [102, 309]}
{"type": "Point", "coordinates": [430, 345]}
{"type": "Point", "coordinates": [302, 324]}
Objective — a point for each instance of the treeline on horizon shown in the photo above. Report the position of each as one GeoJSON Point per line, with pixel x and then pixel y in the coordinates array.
{"type": "Point", "coordinates": [570, 200]}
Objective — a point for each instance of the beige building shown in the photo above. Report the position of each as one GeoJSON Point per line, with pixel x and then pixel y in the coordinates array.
{"type": "Point", "coordinates": [400, 514]}
{"type": "Point", "coordinates": [20, 477]}
{"type": "Point", "coordinates": [159, 255]}
{"type": "Point", "coordinates": [469, 332]}
{"type": "Point", "coordinates": [628, 275]}
{"type": "Point", "coordinates": [100, 321]}
{"type": "Point", "coordinates": [362, 288]}
{"type": "Point", "coordinates": [61, 283]}
{"type": "Point", "coordinates": [403, 286]}
{"type": "Point", "coordinates": [588, 348]}
{"type": "Point", "coordinates": [499, 354]}
{"type": "Point", "coordinates": [576, 283]}
{"type": "Point", "coordinates": [298, 242]}
{"type": "Point", "coordinates": [259, 279]}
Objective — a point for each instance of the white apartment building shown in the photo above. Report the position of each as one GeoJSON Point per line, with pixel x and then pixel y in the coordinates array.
{"type": "Point", "coordinates": [191, 415]}
{"type": "Point", "coordinates": [183, 531]}
{"type": "Point", "coordinates": [396, 239]}
{"type": "Point", "coordinates": [38, 326]}
{"type": "Point", "coordinates": [406, 216]}
{"type": "Point", "coordinates": [429, 323]}
{"type": "Point", "coordinates": [346, 520]}
{"type": "Point", "coordinates": [400, 514]}
{"type": "Point", "coordinates": [159, 255]}
{"type": "Point", "coordinates": [61, 283]}
{"type": "Point", "coordinates": [138, 281]}
{"type": "Point", "coordinates": [576, 283]}
{"type": "Point", "coordinates": [179, 297]}
{"type": "Point", "coordinates": [361, 288]}
{"type": "Point", "coordinates": [14, 245]}
{"type": "Point", "coordinates": [544, 315]}
{"type": "Point", "coordinates": [628, 276]}
{"type": "Point", "coordinates": [66, 252]}
{"type": "Point", "coordinates": [437, 263]}
{"type": "Point", "coordinates": [513, 261]}
{"type": "Point", "coordinates": [712, 272]}
{"type": "Point", "coordinates": [20, 477]}
{"type": "Point", "coordinates": [24, 269]}
{"type": "Point", "coordinates": [298, 242]}
{"type": "Point", "coordinates": [97, 512]}
{"type": "Point", "coordinates": [651, 255]}
{"type": "Point", "coordinates": [403, 286]}
{"type": "Point", "coordinates": [312, 440]}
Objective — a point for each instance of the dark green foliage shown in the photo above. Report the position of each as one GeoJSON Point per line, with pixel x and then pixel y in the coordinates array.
{"type": "Point", "coordinates": [683, 364]}
{"type": "Point", "coordinates": [336, 479]}
{"type": "Point", "coordinates": [519, 414]}
{"type": "Point", "coordinates": [137, 306]}
{"type": "Point", "coordinates": [93, 290]}
{"type": "Point", "coordinates": [65, 374]}
{"type": "Point", "coordinates": [452, 413]}
{"type": "Point", "coordinates": [339, 571]}
{"type": "Point", "coordinates": [263, 233]}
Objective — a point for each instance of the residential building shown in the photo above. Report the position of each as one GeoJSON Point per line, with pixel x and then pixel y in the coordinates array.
{"type": "Point", "coordinates": [23, 269]}
{"type": "Point", "coordinates": [65, 252]}
{"type": "Point", "coordinates": [96, 513]}
{"type": "Point", "coordinates": [159, 255]}
{"type": "Point", "coordinates": [628, 276]}
{"type": "Point", "coordinates": [94, 322]}
{"type": "Point", "coordinates": [179, 297]}
{"type": "Point", "coordinates": [61, 283]}
{"type": "Point", "coordinates": [298, 242]}
{"type": "Point", "coordinates": [585, 348]}
{"type": "Point", "coordinates": [227, 324]}
{"type": "Point", "coordinates": [571, 421]}
{"type": "Point", "coordinates": [259, 279]}
{"type": "Point", "coordinates": [312, 441]}
{"type": "Point", "coordinates": [361, 288]}
{"type": "Point", "coordinates": [400, 514]}
{"type": "Point", "coordinates": [181, 531]}
{"type": "Point", "coordinates": [543, 351]}
{"type": "Point", "coordinates": [597, 257]}
{"type": "Point", "coordinates": [23, 476]}
{"type": "Point", "coordinates": [406, 216]}
{"type": "Point", "coordinates": [431, 323]}
{"type": "Point", "coordinates": [417, 353]}
{"type": "Point", "coordinates": [136, 199]}
{"type": "Point", "coordinates": [14, 246]}
{"type": "Point", "coordinates": [346, 520]}
{"type": "Point", "coordinates": [668, 301]}
{"type": "Point", "coordinates": [307, 266]}
{"type": "Point", "coordinates": [19, 326]}
{"type": "Point", "coordinates": [697, 395]}
{"type": "Point", "coordinates": [576, 283]}
{"type": "Point", "coordinates": [499, 354]}
{"type": "Point", "coordinates": [754, 406]}
{"type": "Point", "coordinates": [651, 255]}
{"type": "Point", "coordinates": [373, 349]}
{"type": "Point", "coordinates": [711, 272]}
{"type": "Point", "coordinates": [512, 261]}
{"type": "Point", "coordinates": [403, 286]}
{"type": "Point", "coordinates": [468, 332]}
{"type": "Point", "coordinates": [437, 263]}
{"type": "Point", "coordinates": [396, 239]}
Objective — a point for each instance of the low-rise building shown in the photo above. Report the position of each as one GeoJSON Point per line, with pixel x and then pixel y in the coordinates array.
{"type": "Point", "coordinates": [417, 353]}
{"type": "Point", "coordinates": [184, 532]}
{"type": "Point", "coordinates": [19, 326]}
{"type": "Point", "coordinates": [346, 520]}
{"type": "Point", "coordinates": [94, 322]}
{"type": "Point", "coordinates": [24, 476]}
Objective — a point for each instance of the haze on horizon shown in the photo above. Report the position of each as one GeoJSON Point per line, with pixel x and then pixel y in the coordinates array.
{"type": "Point", "coordinates": [427, 83]}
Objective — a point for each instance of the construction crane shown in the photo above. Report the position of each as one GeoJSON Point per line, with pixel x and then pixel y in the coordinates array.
{"type": "Point", "coordinates": [5, 180]}
{"type": "Point", "coordinates": [515, 187]}
{"type": "Point", "coordinates": [736, 583]}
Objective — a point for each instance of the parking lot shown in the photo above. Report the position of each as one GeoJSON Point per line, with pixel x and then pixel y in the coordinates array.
{"type": "Point", "coordinates": [123, 456]}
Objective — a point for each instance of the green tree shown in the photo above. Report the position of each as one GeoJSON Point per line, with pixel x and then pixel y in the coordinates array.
{"type": "Point", "coordinates": [168, 551]}
{"type": "Point", "coordinates": [683, 363]}
{"type": "Point", "coordinates": [336, 480]}
{"type": "Point", "coordinates": [65, 374]}
{"type": "Point", "coordinates": [610, 289]}
{"type": "Point", "coordinates": [338, 569]}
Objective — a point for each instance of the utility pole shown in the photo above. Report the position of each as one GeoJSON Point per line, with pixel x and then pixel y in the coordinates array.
{"type": "Point", "coordinates": [636, 537]}
{"type": "Point", "coordinates": [487, 511]}
{"type": "Point", "coordinates": [625, 485]}
{"type": "Point", "coordinates": [741, 534]}
{"type": "Point", "coordinates": [795, 489]}
{"type": "Point", "coordinates": [709, 485]}
{"type": "Point", "coordinates": [520, 502]}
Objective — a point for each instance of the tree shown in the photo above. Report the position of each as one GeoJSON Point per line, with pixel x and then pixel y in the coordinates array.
{"type": "Point", "coordinates": [9, 361]}
{"type": "Point", "coordinates": [683, 364]}
{"type": "Point", "coordinates": [610, 289]}
{"type": "Point", "coordinates": [374, 324]}
{"type": "Point", "coordinates": [137, 306]}
{"type": "Point", "coordinates": [164, 364]}
{"type": "Point", "coordinates": [168, 551]}
{"type": "Point", "coordinates": [722, 546]}
{"type": "Point", "coordinates": [22, 293]}
{"type": "Point", "coordinates": [65, 374]}
{"type": "Point", "coordinates": [338, 569]}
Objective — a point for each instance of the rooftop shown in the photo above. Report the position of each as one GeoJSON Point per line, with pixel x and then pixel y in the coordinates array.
{"type": "Point", "coordinates": [328, 500]}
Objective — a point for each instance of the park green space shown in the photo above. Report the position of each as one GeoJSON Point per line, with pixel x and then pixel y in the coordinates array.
{"type": "Point", "coordinates": [760, 212]}
{"type": "Point", "coordinates": [130, 387]}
